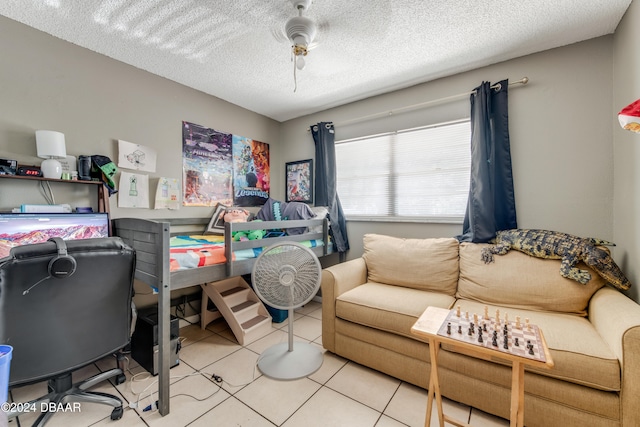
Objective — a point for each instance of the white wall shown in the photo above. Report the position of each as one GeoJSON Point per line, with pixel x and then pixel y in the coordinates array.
{"type": "Point", "coordinates": [626, 148]}
{"type": "Point", "coordinates": [560, 128]}
{"type": "Point", "coordinates": [47, 83]}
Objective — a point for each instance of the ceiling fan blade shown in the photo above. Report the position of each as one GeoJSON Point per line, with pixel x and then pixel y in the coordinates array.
{"type": "Point", "coordinates": [321, 34]}
{"type": "Point", "coordinates": [277, 31]}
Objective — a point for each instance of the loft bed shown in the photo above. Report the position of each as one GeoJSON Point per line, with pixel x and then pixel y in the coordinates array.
{"type": "Point", "coordinates": [152, 240]}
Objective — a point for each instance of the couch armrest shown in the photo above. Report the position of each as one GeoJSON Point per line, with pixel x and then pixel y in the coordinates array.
{"type": "Point", "coordinates": [337, 280]}
{"type": "Point", "coordinates": [617, 319]}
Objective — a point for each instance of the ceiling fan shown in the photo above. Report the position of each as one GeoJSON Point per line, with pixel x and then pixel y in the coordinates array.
{"type": "Point", "coordinates": [300, 32]}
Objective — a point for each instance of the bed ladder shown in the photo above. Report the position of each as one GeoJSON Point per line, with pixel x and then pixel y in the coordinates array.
{"type": "Point", "coordinates": [245, 314]}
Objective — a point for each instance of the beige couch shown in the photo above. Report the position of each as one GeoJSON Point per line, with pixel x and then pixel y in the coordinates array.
{"type": "Point", "coordinates": [593, 331]}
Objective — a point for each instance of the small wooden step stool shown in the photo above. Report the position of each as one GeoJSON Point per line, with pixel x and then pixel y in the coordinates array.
{"type": "Point", "coordinates": [247, 317]}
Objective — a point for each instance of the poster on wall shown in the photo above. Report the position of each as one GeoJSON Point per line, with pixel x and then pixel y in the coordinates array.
{"type": "Point", "coordinates": [250, 172]}
{"type": "Point", "coordinates": [206, 166]}
{"type": "Point", "coordinates": [299, 181]}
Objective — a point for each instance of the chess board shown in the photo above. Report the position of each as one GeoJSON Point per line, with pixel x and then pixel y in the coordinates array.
{"type": "Point", "coordinates": [529, 343]}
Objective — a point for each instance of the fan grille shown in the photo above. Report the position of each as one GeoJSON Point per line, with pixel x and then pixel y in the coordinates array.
{"type": "Point", "coordinates": [286, 275]}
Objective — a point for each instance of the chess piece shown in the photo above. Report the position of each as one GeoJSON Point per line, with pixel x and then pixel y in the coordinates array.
{"type": "Point", "coordinates": [497, 316]}
{"type": "Point", "coordinates": [470, 330]}
{"type": "Point", "coordinates": [486, 312]}
{"type": "Point", "coordinates": [480, 335]}
{"type": "Point", "coordinates": [506, 317]}
{"type": "Point", "coordinates": [459, 329]}
{"type": "Point", "coordinates": [466, 315]}
{"type": "Point", "coordinates": [448, 328]}
{"type": "Point", "coordinates": [531, 349]}
{"type": "Point", "coordinates": [516, 342]}
{"type": "Point", "coordinates": [506, 343]}
{"type": "Point", "coordinates": [518, 325]}
{"type": "Point", "coordinates": [475, 318]}
{"type": "Point", "coordinates": [458, 311]}
{"type": "Point", "coordinates": [526, 321]}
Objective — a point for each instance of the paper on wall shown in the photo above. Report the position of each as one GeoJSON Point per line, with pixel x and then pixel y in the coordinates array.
{"type": "Point", "coordinates": [167, 194]}
{"type": "Point", "coordinates": [135, 156]}
{"type": "Point", "coordinates": [134, 190]}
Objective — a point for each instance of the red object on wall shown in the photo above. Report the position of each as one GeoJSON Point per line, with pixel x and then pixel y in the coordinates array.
{"type": "Point", "coordinates": [629, 117]}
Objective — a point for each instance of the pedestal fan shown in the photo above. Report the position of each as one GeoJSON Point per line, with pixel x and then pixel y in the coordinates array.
{"type": "Point", "coordinates": [287, 276]}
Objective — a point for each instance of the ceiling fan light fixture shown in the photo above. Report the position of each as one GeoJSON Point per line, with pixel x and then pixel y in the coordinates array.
{"type": "Point", "coordinates": [300, 62]}
{"type": "Point", "coordinates": [300, 32]}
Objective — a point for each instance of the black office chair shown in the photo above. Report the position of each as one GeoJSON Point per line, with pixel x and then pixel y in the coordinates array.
{"type": "Point", "coordinates": [64, 305]}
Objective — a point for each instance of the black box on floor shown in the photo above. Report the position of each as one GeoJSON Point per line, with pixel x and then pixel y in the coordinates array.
{"type": "Point", "coordinates": [144, 341]}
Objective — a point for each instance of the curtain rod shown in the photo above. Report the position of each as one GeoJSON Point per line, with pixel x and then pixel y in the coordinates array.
{"type": "Point", "coordinates": [496, 86]}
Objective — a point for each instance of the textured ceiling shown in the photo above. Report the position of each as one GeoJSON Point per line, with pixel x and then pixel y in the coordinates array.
{"type": "Point", "coordinates": [227, 48]}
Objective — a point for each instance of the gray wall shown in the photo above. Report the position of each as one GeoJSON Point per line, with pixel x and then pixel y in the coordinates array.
{"type": "Point", "coordinates": [47, 83]}
{"type": "Point", "coordinates": [626, 148]}
{"type": "Point", "coordinates": [561, 137]}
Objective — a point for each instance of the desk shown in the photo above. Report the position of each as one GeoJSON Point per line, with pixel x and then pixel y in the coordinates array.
{"type": "Point", "coordinates": [428, 326]}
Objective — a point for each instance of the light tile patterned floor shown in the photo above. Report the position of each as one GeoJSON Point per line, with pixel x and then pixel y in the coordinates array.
{"type": "Point", "coordinates": [340, 393]}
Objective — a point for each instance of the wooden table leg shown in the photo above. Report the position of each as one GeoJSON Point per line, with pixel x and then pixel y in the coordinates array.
{"type": "Point", "coordinates": [517, 395]}
{"type": "Point", "coordinates": [427, 420]}
{"type": "Point", "coordinates": [434, 386]}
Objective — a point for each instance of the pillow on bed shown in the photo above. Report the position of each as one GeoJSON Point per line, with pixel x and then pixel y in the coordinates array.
{"type": "Point", "coordinates": [321, 212]}
{"type": "Point", "coordinates": [216, 224]}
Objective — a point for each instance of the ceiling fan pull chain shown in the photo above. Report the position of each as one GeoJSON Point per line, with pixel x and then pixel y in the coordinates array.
{"type": "Point", "coordinates": [295, 80]}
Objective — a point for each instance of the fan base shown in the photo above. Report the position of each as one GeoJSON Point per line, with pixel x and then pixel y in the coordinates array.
{"type": "Point", "coordinates": [279, 363]}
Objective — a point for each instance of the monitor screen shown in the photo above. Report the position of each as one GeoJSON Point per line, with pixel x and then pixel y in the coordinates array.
{"type": "Point", "coordinates": [26, 228]}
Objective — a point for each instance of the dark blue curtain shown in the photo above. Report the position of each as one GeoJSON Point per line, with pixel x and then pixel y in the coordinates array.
{"type": "Point", "coordinates": [491, 204]}
{"type": "Point", "coordinates": [326, 186]}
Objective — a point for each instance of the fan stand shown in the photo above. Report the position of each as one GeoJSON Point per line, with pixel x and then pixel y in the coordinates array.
{"type": "Point", "coordinates": [281, 362]}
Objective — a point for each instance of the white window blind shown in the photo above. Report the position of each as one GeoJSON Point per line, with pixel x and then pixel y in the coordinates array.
{"type": "Point", "coordinates": [418, 173]}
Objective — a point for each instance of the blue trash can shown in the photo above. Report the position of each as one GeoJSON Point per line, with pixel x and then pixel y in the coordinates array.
{"type": "Point", "coordinates": [5, 364]}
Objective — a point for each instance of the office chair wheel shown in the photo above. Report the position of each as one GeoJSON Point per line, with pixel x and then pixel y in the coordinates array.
{"type": "Point", "coordinates": [116, 414]}
{"type": "Point", "coordinates": [121, 379]}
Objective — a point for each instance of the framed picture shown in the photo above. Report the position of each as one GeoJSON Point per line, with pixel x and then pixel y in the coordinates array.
{"type": "Point", "coordinates": [299, 181]}
{"type": "Point", "coordinates": [216, 224]}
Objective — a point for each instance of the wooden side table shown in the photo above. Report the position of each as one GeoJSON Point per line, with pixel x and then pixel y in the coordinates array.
{"type": "Point", "coordinates": [428, 326]}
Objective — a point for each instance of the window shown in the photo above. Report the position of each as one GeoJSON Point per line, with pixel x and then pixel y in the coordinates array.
{"type": "Point", "coordinates": [412, 174]}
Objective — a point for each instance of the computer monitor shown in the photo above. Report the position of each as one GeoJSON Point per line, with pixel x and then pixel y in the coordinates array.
{"type": "Point", "coordinates": [27, 228]}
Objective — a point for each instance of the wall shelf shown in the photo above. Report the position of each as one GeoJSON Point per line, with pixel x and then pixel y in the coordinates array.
{"type": "Point", "coordinates": [103, 196]}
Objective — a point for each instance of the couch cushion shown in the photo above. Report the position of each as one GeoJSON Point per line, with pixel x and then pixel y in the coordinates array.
{"type": "Point", "coordinates": [388, 308]}
{"type": "Point", "coordinates": [579, 353]}
{"type": "Point", "coordinates": [429, 264]}
{"type": "Point", "coordinates": [522, 281]}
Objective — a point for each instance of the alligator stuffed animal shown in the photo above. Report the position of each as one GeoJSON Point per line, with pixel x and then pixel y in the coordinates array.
{"type": "Point", "coordinates": [570, 249]}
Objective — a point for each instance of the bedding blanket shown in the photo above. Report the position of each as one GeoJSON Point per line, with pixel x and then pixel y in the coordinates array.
{"type": "Point", "coordinates": [200, 251]}
{"type": "Point", "coordinates": [196, 251]}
